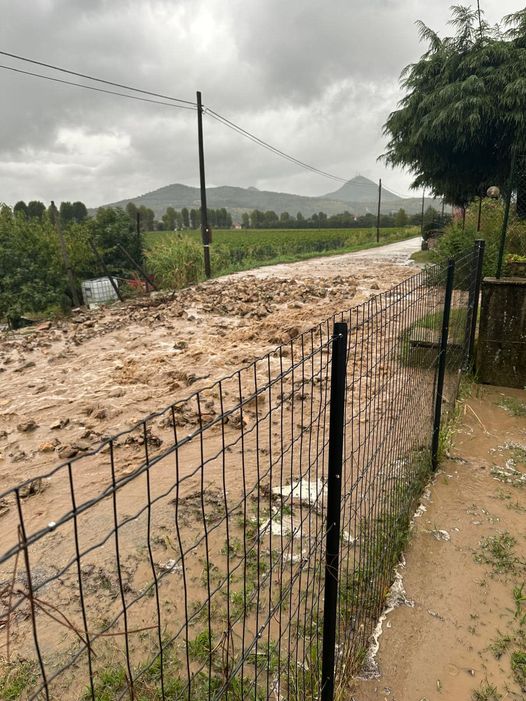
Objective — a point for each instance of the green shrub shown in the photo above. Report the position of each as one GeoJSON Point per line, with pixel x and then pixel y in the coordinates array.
{"type": "Point", "coordinates": [458, 240]}
{"type": "Point", "coordinates": [30, 270]}
{"type": "Point", "coordinates": [176, 262]}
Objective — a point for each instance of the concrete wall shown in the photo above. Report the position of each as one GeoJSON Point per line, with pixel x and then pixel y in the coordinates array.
{"type": "Point", "coordinates": [501, 350]}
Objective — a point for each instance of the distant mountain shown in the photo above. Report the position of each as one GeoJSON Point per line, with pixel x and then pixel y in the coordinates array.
{"type": "Point", "coordinates": [359, 196]}
{"type": "Point", "coordinates": [235, 199]}
{"type": "Point", "coordinates": [361, 189]}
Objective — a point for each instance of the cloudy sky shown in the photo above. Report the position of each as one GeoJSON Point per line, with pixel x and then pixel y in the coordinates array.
{"type": "Point", "coordinates": [315, 79]}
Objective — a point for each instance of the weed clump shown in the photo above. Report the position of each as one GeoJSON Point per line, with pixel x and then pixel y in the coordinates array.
{"type": "Point", "coordinates": [15, 678]}
{"type": "Point", "coordinates": [518, 667]}
{"type": "Point", "coordinates": [513, 406]}
{"type": "Point", "coordinates": [498, 551]}
{"type": "Point", "coordinates": [487, 692]}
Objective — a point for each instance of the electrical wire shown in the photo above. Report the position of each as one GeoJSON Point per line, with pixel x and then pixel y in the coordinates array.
{"type": "Point", "coordinates": [93, 88]}
{"type": "Point", "coordinates": [235, 127]}
{"type": "Point", "coordinates": [98, 80]}
{"type": "Point", "coordinates": [173, 102]}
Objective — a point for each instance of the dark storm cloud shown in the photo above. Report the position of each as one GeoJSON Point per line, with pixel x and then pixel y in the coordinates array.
{"type": "Point", "coordinates": [315, 79]}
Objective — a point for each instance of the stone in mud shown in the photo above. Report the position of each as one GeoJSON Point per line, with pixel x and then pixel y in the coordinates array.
{"type": "Point", "coordinates": [4, 507]}
{"type": "Point", "coordinates": [48, 446]}
{"type": "Point", "coordinates": [67, 452]}
{"type": "Point", "coordinates": [81, 446]}
{"type": "Point", "coordinates": [61, 423]}
{"type": "Point", "coordinates": [36, 486]}
{"type": "Point", "coordinates": [100, 414]}
{"type": "Point", "coordinates": [27, 426]}
{"type": "Point", "coordinates": [24, 366]}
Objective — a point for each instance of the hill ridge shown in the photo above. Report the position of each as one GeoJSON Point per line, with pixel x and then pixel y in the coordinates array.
{"type": "Point", "coordinates": [358, 196]}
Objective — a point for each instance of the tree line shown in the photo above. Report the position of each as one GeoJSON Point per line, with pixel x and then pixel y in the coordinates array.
{"type": "Point", "coordinates": [68, 211]}
{"type": "Point", "coordinates": [320, 220]}
{"type": "Point", "coordinates": [186, 218]}
{"type": "Point", "coordinates": [175, 220]}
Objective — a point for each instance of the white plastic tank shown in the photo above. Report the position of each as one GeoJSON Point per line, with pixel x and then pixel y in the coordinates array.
{"type": "Point", "coordinates": [98, 291]}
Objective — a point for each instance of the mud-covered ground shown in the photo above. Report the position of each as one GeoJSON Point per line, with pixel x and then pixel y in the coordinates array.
{"type": "Point", "coordinates": [68, 384]}
{"type": "Point", "coordinates": [463, 634]}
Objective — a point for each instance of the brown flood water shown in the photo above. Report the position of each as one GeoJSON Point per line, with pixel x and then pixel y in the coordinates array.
{"type": "Point", "coordinates": [441, 647]}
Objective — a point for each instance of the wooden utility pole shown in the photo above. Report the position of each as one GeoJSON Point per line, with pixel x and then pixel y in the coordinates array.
{"type": "Point", "coordinates": [206, 233]}
{"type": "Point", "coordinates": [378, 216]}
{"type": "Point", "coordinates": [55, 218]}
{"type": "Point", "coordinates": [423, 205]}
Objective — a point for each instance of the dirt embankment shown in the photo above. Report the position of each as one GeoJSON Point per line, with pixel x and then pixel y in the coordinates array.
{"type": "Point", "coordinates": [66, 387]}
{"type": "Point", "coordinates": [463, 636]}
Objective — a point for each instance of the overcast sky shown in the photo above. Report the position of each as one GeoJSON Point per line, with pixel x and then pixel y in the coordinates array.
{"type": "Point", "coordinates": [315, 79]}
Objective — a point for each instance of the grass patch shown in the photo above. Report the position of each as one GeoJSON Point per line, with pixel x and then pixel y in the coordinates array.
{"type": "Point", "coordinates": [518, 667]}
{"type": "Point", "coordinates": [499, 646]}
{"type": "Point", "coordinates": [518, 454]}
{"type": "Point", "coordinates": [15, 678]}
{"type": "Point", "coordinates": [498, 551]}
{"type": "Point", "coordinates": [513, 406]}
{"type": "Point", "coordinates": [423, 257]}
{"type": "Point", "coordinates": [487, 692]}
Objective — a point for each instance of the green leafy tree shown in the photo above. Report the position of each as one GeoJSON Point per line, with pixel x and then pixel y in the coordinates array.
{"type": "Point", "coordinates": [147, 218]}
{"type": "Point", "coordinates": [270, 219]}
{"type": "Point", "coordinates": [195, 218]}
{"type": "Point", "coordinates": [245, 220]}
{"type": "Point", "coordinates": [186, 217]}
{"type": "Point", "coordinates": [35, 209]}
{"type": "Point", "coordinates": [131, 211]}
{"type": "Point", "coordinates": [109, 228]}
{"type": "Point", "coordinates": [464, 111]}
{"type": "Point", "coordinates": [66, 213]}
{"type": "Point", "coordinates": [257, 219]}
{"type": "Point", "coordinates": [20, 208]}
{"type": "Point", "coordinates": [79, 211]}
{"type": "Point", "coordinates": [213, 216]}
{"type": "Point", "coordinates": [169, 219]}
{"type": "Point", "coordinates": [401, 218]}
{"type": "Point", "coordinates": [30, 268]}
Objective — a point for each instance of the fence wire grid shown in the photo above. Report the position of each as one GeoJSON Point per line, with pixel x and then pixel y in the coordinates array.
{"type": "Point", "coordinates": [198, 571]}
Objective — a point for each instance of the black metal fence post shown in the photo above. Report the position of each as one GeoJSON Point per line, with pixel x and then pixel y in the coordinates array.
{"type": "Point", "coordinates": [473, 303]}
{"type": "Point", "coordinates": [442, 359]}
{"type": "Point", "coordinates": [334, 489]}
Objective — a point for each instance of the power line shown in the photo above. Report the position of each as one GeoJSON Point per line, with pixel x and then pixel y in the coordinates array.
{"type": "Point", "coordinates": [273, 149]}
{"type": "Point", "coordinates": [98, 80]}
{"type": "Point", "coordinates": [93, 88]}
{"type": "Point", "coordinates": [174, 102]}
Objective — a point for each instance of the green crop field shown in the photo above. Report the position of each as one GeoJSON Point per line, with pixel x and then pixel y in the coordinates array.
{"type": "Point", "coordinates": [175, 258]}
